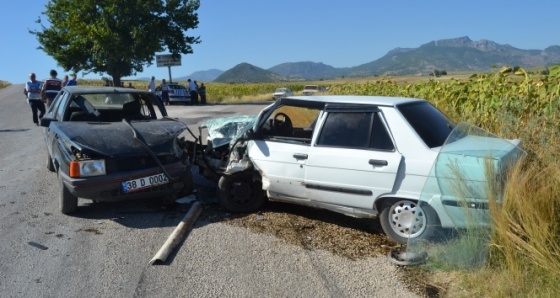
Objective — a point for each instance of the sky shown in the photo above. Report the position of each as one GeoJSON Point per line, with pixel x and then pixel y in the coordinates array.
{"type": "Point", "coordinates": [266, 33]}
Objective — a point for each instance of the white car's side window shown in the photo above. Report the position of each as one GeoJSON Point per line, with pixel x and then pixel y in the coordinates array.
{"type": "Point", "coordinates": [358, 130]}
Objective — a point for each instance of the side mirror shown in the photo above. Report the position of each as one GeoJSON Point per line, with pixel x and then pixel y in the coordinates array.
{"type": "Point", "coordinates": [45, 122]}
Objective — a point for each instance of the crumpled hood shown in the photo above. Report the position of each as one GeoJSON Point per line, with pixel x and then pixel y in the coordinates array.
{"type": "Point", "coordinates": [117, 138]}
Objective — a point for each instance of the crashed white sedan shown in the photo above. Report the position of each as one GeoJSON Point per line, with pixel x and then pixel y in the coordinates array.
{"type": "Point", "coordinates": [363, 156]}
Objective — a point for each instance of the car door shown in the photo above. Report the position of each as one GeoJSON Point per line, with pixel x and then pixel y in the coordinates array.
{"type": "Point", "coordinates": [282, 166]}
{"type": "Point", "coordinates": [353, 159]}
{"type": "Point", "coordinates": [281, 151]}
{"type": "Point", "coordinates": [56, 112]}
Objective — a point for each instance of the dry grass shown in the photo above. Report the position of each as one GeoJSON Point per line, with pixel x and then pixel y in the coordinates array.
{"type": "Point", "coordinates": [523, 252]}
{"type": "Point", "coordinates": [243, 99]}
{"type": "Point", "coordinates": [525, 249]}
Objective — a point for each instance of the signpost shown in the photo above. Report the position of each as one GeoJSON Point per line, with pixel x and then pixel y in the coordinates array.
{"type": "Point", "coordinates": [168, 60]}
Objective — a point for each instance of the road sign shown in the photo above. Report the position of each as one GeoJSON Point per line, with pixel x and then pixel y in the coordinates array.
{"type": "Point", "coordinates": [167, 60]}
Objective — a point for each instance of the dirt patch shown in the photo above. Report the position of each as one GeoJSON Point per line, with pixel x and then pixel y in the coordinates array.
{"type": "Point", "coordinates": [312, 229]}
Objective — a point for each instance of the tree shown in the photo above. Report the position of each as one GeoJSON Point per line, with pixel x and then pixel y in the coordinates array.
{"type": "Point", "coordinates": [116, 37]}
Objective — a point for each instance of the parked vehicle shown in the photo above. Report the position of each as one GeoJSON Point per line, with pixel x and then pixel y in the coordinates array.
{"type": "Point", "coordinates": [363, 156]}
{"type": "Point", "coordinates": [177, 94]}
{"type": "Point", "coordinates": [282, 92]}
{"type": "Point", "coordinates": [108, 144]}
{"type": "Point", "coordinates": [309, 90]}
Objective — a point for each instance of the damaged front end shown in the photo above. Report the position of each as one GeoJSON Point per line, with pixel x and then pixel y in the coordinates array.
{"type": "Point", "coordinates": [225, 151]}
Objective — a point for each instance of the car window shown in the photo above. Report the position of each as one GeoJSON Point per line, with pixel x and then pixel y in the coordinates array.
{"type": "Point", "coordinates": [59, 104]}
{"type": "Point", "coordinates": [110, 107]}
{"type": "Point", "coordinates": [430, 124]}
{"type": "Point", "coordinates": [291, 124]}
{"type": "Point", "coordinates": [343, 129]}
{"type": "Point", "coordinates": [358, 130]}
{"type": "Point", "coordinates": [380, 138]}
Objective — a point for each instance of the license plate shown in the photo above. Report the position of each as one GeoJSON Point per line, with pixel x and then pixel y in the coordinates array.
{"type": "Point", "coordinates": [144, 182]}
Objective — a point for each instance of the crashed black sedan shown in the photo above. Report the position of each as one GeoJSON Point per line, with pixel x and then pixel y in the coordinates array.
{"type": "Point", "coordinates": [110, 144]}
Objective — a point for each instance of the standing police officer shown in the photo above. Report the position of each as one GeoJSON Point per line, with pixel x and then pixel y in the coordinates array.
{"type": "Point", "coordinates": [51, 87]}
{"type": "Point", "coordinates": [33, 91]}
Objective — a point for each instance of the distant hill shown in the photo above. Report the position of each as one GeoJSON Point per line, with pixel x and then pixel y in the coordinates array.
{"type": "Point", "coordinates": [247, 73]}
{"type": "Point", "coordinates": [305, 71]}
{"type": "Point", "coordinates": [203, 75]}
{"type": "Point", "coordinates": [451, 55]}
{"type": "Point", "coordinates": [459, 54]}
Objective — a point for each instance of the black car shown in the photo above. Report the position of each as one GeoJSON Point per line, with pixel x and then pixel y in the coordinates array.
{"type": "Point", "coordinates": [110, 144]}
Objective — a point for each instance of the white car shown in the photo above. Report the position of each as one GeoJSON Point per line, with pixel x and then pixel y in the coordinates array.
{"type": "Point", "coordinates": [363, 156]}
{"type": "Point", "coordinates": [282, 92]}
{"type": "Point", "coordinates": [309, 90]}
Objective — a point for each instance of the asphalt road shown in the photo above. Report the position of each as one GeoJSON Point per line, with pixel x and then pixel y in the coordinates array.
{"type": "Point", "coordinates": [104, 249]}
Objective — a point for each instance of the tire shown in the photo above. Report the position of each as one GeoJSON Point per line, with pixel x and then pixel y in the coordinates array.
{"type": "Point", "coordinates": [239, 193]}
{"type": "Point", "coordinates": [50, 165]}
{"type": "Point", "coordinates": [403, 220]}
{"type": "Point", "coordinates": [68, 203]}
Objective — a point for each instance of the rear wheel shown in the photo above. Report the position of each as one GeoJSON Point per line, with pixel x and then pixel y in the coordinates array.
{"type": "Point", "coordinates": [402, 220]}
{"type": "Point", "coordinates": [239, 193]}
{"type": "Point", "coordinates": [68, 203]}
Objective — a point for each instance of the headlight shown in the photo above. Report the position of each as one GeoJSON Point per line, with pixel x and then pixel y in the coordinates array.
{"type": "Point", "coordinates": [87, 168]}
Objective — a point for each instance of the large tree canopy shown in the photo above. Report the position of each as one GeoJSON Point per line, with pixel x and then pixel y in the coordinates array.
{"type": "Point", "coordinates": [116, 37]}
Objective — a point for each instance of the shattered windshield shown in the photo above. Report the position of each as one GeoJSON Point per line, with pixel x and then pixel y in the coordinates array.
{"type": "Point", "coordinates": [227, 130]}
{"type": "Point", "coordinates": [466, 184]}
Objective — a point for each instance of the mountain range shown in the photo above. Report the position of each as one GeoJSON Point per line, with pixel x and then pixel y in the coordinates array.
{"type": "Point", "coordinates": [450, 55]}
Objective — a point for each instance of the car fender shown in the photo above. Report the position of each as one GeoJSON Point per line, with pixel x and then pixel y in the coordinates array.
{"type": "Point", "coordinates": [378, 202]}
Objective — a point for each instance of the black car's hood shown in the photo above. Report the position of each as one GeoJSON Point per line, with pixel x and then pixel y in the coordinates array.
{"type": "Point", "coordinates": [117, 138]}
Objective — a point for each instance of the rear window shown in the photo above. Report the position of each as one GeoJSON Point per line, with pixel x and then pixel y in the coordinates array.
{"type": "Point", "coordinates": [430, 124]}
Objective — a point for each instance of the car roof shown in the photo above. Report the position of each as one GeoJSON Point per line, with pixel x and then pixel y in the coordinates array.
{"type": "Point", "coordinates": [102, 89]}
{"type": "Point", "coordinates": [358, 99]}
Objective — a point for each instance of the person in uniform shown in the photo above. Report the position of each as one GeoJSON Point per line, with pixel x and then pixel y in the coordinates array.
{"type": "Point", "coordinates": [33, 92]}
{"type": "Point", "coordinates": [51, 87]}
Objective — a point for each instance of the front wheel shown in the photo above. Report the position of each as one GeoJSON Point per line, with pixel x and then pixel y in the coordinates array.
{"type": "Point", "coordinates": [239, 193]}
{"type": "Point", "coordinates": [68, 203]}
{"type": "Point", "coordinates": [403, 220]}
{"type": "Point", "coordinates": [50, 164]}
{"type": "Point", "coordinates": [188, 184]}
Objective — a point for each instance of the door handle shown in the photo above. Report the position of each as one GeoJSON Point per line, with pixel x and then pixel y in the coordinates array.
{"type": "Point", "coordinates": [300, 156]}
{"type": "Point", "coordinates": [377, 162]}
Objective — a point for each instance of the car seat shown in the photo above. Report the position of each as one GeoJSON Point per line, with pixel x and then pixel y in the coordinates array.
{"type": "Point", "coordinates": [131, 110]}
